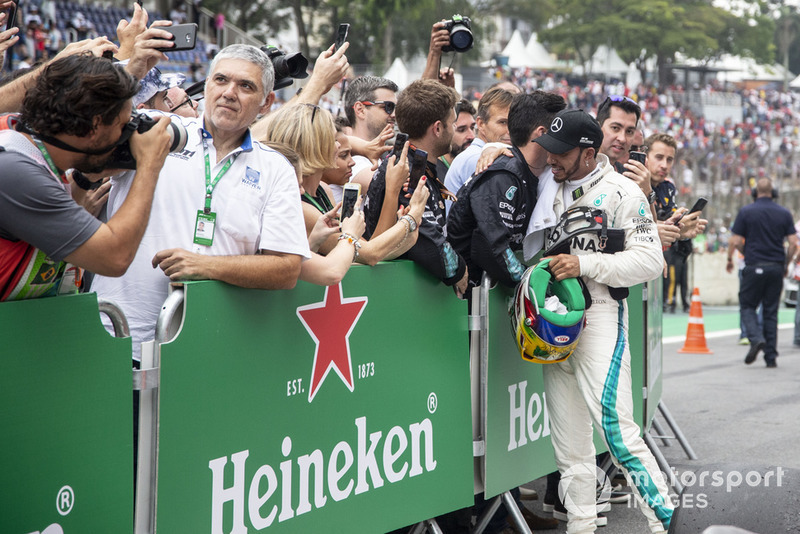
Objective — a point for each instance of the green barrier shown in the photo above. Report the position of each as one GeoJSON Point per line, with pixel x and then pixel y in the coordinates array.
{"type": "Point", "coordinates": [272, 418]}
{"type": "Point", "coordinates": [653, 370]}
{"type": "Point", "coordinates": [518, 447]}
{"type": "Point", "coordinates": [66, 420]}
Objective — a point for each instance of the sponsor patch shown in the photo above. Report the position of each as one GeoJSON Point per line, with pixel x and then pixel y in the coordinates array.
{"type": "Point", "coordinates": [642, 210]}
{"type": "Point", "coordinates": [599, 200]}
{"type": "Point", "coordinates": [511, 192]}
{"type": "Point", "coordinates": [252, 178]}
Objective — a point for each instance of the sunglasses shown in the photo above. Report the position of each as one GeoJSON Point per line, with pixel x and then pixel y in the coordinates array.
{"type": "Point", "coordinates": [388, 106]}
{"type": "Point", "coordinates": [618, 98]}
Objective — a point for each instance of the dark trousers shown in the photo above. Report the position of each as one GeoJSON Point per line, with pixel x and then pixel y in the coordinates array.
{"type": "Point", "coordinates": [762, 285]}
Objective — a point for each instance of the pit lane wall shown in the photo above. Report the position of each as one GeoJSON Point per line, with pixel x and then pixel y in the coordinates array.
{"type": "Point", "coordinates": [340, 409]}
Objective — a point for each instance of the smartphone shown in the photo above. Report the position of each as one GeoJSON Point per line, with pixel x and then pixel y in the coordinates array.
{"type": "Point", "coordinates": [418, 163]}
{"type": "Point", "coordinates": [341, 36]}
{"type": "Point", "coordinates": [12, 16]}
{"type": "Point", "coordinates": [184, 36]}
{"type": "Point", "coordinates": [399, 141]}
{"type": "Point", "coordinates": [349, 198]}
{"type": "Point", "coordinates": [698, 206]}
{"type": "Point", "coordinates": [641, 157]}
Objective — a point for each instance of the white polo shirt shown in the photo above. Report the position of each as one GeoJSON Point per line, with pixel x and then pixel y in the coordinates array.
{"type": "Point", "coordinates": [257, 206]}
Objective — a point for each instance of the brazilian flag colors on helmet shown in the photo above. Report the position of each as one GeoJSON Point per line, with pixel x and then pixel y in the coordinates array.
{"type": "Point", "coordinates": [542, 335]}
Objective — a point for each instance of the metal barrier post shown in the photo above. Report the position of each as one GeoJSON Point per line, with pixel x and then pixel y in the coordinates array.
{"type": "Point", "coordinates": [676, 431]}
{"type": "Point", "coordinates": [483, 348]}
{"type": "Point", "coordinates": [147, 467]}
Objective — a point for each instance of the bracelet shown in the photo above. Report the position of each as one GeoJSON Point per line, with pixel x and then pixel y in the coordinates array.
{"type": "Point", "coordinates": [412, 222]}
{"type": "Point", "coordinates": [352, 240]}
{"type": "Point", "coordinates": [651, 197]}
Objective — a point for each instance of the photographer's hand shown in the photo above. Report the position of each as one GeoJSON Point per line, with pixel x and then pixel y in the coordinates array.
{"type": "Point", "coordinates": [150, 148]}
{"type": "Point", "coordinates": [440, 37]}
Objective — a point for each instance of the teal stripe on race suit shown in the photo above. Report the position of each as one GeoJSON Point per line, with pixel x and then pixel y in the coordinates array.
{"type": "Point", "coordinates": [643, 480]}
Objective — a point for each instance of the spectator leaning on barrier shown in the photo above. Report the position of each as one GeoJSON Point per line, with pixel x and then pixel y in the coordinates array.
{"type": "Point", "coordinates": [72, 118]}
{"type": "Point", "coordinates": [492, 127]}
{"type": "Point", "coordinates": [488, 223]}
{"type": "Point", "coordinates": [594, 384]}
{"type": "Point", "coordinates": [245, 194]}
{"type": "Point", "coordinates": [310, 131]}
{"type": "Point", "coordinates": [425, 112]}
{"type": "Point", "coordinates": [759, 232]}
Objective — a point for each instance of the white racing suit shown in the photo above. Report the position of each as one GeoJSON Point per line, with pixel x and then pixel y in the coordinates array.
{"type": "Point", "coordinates": [594, 384]}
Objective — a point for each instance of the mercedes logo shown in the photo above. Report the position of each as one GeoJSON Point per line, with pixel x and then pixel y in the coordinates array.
{"type": "Point", "coordinates": [557, 124]}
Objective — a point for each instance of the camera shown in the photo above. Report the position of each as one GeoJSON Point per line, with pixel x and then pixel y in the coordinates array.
{"type": "Point", "coordinates": [122, 158]}
{"type": "Point", "coordinates": [460, 34]}
{"type": "Point", "coordinates": [287, 67]}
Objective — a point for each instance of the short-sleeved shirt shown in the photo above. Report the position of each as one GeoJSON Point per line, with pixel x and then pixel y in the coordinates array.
{"type": "Point", "coordinates": [257, 206]}
{"type": "Point", "coordinates": [40, 223]}
{"type": "Point", "coordinates": [462, 167]}
{"type": "Point", "coordinates": [763, 225]}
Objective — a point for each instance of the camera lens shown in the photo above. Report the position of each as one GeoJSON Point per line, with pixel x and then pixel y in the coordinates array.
{"type": "Point", "coordinates": [461, 38]}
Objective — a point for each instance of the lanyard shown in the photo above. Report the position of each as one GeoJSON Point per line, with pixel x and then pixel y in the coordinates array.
{"type": "Point", "coordinates": [209, 184]}
{"type": "Point", "coordinates": [322, 206]}
{"type": "Point", "coordinates": [48, 159]}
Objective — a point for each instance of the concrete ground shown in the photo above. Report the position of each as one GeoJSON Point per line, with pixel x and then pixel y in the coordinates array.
{"type": "Point", "coordinates": [731, 413]}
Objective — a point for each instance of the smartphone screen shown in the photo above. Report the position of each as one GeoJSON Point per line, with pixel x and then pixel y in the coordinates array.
{"type": "Point", "coordinates": [641, 157]}
{"type": "Point", "coordinates": [341, 35]}
{"type": "Point", "coordinates": [349, 198]}
{"type": "Point", "coordinates": [418, 164]}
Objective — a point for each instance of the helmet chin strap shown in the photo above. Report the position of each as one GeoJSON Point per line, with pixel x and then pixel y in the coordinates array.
{"type": "Point", "coordinates": [21, 127]}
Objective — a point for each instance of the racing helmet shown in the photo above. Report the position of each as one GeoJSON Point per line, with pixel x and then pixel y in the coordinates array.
{"type": "Point", "coordinates": [542, 335]}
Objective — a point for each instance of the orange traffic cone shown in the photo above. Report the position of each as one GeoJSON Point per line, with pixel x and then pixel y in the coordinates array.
{"type": "Point", "coordinates": [695, 332]}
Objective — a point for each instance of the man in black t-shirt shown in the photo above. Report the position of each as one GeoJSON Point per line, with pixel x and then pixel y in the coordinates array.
{"type": "Point", "coordinates": [758, 233]}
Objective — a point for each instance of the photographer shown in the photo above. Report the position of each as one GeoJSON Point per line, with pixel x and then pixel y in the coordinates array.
{"type": "Point", "coordinates": [245, 194]}
{"type": "Point", "coordinates": [41, 227]}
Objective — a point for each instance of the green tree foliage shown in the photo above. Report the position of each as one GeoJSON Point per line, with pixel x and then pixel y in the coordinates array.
{"type": "Point", "coordinates": [658, 29]}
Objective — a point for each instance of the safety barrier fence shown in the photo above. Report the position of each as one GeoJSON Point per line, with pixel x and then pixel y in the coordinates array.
{"type": "Point", "coordinates": [361, 407]}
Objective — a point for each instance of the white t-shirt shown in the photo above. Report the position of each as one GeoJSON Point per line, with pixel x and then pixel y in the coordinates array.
{"type": "Point", "coordinates": [257, 206]}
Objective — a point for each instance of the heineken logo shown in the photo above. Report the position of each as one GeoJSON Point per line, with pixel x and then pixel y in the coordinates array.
{"type": "Point", "coordinates": [330, 323]}
{"type": "Point", "coordinates": [265, 495]}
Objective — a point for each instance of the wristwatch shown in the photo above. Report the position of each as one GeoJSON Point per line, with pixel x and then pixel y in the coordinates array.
{"type": "Point", "coordinates": [651, 197]}
{"type": "Point", "coordinates": [412, 223]}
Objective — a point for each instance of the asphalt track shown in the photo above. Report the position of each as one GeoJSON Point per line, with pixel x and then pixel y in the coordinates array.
{"type": "Point", "coordinates": [733, 415]}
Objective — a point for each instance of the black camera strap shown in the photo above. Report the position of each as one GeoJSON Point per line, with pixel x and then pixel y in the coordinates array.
{"type": "Point", "coordinates": [23, 128]}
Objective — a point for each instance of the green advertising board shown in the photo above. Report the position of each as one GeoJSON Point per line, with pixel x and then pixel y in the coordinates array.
{"type": "Point", "coordinates": [339, 409]}
{"type": "Point", "coordinates": [518, 447]}
{"type": "Point", "coordinates": [655, 356]}
{"type": "Point", "coordinates": [65, 419]}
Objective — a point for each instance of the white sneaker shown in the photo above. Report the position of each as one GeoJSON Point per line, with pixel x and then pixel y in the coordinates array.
{"type": "Point", "coordinates": [601, 520]}
{"type": "Point", "coordinates": [527, 494]}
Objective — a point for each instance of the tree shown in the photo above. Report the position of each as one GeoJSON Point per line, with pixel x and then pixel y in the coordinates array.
{"type": "Point", "coordinates": [659, 29]}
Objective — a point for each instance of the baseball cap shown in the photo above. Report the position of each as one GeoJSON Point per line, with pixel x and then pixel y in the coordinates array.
{"type": "Point", "coordinates": [571, 128]}
{"type": "Point", "coordinates": [154, 82]}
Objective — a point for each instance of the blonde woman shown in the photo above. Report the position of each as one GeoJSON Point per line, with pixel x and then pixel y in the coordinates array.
{"type": "Point", "coordinates": [309, 130]}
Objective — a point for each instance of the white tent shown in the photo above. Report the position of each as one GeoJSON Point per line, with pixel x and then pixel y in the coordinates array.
{"type": "Point", "coordinates": [515, 51]}
{"type": "Point", "coordinates": [795, 84]}
{"type": "Point", "coordinates": [537, 56]}
{"type": "Point", "coordinates": [605, 60]}
{"type": "Point", "coordinates": [398, 73]}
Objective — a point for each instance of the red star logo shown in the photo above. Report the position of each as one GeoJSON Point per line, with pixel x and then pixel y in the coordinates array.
{"type": "Point", "coordinates": [329, 323]}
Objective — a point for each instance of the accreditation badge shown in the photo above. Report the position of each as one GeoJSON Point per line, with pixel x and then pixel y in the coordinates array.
{"type": "Point", "coordinates": [204, 228]}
